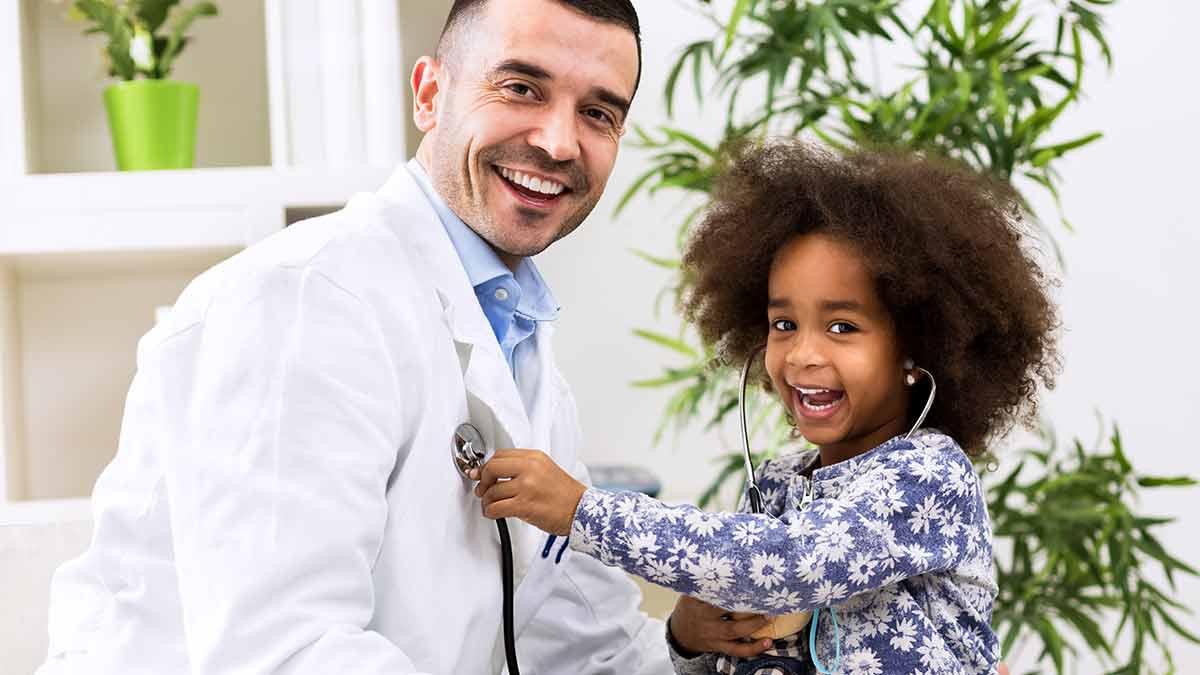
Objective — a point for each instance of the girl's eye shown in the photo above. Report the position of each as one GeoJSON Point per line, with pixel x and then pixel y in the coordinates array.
{"type": "Point", "coordinates": [841, 328]}
{"type": "Point", "coordinates": [782, 325]}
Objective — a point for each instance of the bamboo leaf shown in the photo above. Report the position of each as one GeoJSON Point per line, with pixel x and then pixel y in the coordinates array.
{"type": "Point", "coordinates": [1177, 481]}
{"type": "Point", "coordinates": [739, 12]}
{"type": "Point", "coordinates": [657, 261]}
{"type": "Point", "coordinates": [673, 344]}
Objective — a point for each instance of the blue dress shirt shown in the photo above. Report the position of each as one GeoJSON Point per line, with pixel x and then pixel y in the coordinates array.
{"type": "Point", "coordinates": [512, 303]}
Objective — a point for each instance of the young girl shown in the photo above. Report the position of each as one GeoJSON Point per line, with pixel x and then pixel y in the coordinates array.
{"type": "Point", "coordinates": [869, 278]}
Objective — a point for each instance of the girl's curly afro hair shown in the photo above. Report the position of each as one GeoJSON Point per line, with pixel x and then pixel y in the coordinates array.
{"type": "Point", "coordinates": [945, 245]}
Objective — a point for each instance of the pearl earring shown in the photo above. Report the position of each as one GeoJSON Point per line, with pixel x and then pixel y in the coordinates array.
{"type": "Point", "coordinates": [909, 379]}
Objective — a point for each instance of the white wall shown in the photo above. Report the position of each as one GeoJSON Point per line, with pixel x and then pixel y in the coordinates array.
{"type": "Point", "coordinates": [1128, 299]}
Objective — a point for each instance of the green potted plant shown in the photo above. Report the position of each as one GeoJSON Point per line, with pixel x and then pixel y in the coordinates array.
{"type": "Point", "coordinates": [152, 118]}
{"type": "Point", "coordinates": [985, 84]}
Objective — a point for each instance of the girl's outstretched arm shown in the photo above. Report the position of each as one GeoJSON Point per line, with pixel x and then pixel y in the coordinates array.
{"type": "Point", "coordinates": [920, 510]}
{"type": "Point", "coordinates": [923, 513]}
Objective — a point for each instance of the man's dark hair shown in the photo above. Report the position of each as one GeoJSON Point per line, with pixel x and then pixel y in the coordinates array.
{"type": "Point", "coordinates": [618, 12]}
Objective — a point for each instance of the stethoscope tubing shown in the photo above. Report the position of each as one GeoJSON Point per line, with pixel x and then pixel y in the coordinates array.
{"type": "Point", "coordinates": [468, 450]}
{"type": "Point", "coordinates": [506, 582]}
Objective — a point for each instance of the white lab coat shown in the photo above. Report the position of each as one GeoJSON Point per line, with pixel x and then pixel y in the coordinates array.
{"type": "Point", "coordinates": [283, 499]}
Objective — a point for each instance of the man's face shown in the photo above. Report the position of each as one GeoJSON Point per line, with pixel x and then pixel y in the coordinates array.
{"type": "Point", "coordinates": [525, 125]}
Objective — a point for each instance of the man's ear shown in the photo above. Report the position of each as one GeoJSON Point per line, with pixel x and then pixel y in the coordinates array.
{"type": "Point", "coordinates": [425, 90]}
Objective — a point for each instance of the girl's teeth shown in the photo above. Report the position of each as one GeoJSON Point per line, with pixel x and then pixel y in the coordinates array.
{"type": "Point", "coordinates": [546, 187]}
{"type": "Point", "coordinates": [815, 406]}
{"type": "Point", "coordinates": [809, 404]}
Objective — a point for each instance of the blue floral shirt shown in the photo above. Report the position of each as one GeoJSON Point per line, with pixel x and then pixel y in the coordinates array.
{"type": "Point", "coordinates": [896, 541]}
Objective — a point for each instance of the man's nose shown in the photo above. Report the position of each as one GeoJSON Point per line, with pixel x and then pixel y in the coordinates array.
{"type": "Point", "coordinates": [557, 134]}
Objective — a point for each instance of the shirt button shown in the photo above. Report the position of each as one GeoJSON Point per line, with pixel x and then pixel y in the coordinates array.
{"type": "Point", "coordinates": [501, 294]}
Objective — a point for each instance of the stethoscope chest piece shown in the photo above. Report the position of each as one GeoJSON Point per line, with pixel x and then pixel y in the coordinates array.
{"type": "Point", "coordinates": [467, 448]}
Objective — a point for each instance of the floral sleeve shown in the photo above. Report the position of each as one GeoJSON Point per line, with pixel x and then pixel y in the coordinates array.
{"type": "Point", "coordinates": [918, 511]}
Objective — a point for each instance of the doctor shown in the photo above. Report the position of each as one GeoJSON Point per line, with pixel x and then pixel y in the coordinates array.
{"type": "Point", "coordinates": [283, 499]}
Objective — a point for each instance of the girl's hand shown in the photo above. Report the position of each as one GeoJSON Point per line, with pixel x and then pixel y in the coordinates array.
{"type": "Point", "coordinates": [527, 484]}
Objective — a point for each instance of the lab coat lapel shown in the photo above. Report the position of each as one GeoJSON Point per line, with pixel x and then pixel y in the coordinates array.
{"type": "Point", "coordinates": [492, 396]}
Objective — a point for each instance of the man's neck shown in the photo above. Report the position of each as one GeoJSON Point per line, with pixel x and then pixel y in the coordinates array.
{"type": "Point", "coordinates": [512, 262]}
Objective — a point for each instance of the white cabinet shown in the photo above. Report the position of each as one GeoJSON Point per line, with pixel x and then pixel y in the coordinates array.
{"type": "Point", "coordinates": [87, 254]}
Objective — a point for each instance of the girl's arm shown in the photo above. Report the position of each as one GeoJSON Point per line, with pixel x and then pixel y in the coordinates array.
{"type": "Point", "coordinates": [924, 520]}
{"type": "Point", "coordinates": [920, 511]}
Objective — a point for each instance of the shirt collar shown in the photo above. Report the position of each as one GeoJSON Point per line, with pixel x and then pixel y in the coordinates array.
{"type": "Point", "coordinates": [480, 260]}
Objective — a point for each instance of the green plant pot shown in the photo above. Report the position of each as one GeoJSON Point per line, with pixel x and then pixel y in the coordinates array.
{"type": "Point", "coordinates": [153, 123]}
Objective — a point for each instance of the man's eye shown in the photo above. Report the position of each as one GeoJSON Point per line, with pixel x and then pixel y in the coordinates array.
{"type": "Point", "coordinates": [783, 325]}
{"type": "Point", "coordinates": [600, 116]}
{"type": "Point", "coordinates": [841, 327]}
{"type": "Point", "coordinates": [522, 90]}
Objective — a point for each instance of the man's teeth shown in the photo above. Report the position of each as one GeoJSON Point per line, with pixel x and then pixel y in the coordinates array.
{"type": "Point", "coordinates": [544, 186]}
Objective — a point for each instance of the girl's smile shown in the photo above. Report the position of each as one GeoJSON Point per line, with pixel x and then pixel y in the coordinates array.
{"type": "Point", "coordinates": [816, 403]}
{"type": "Point", "coordinates": [832, 351]}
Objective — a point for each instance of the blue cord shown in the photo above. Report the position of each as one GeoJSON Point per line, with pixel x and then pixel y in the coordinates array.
{"type": "Point", "coordinates": [558, 558]}
{"type": "Point", "coordinates": [549, 545]}
{"type": "Point", "coordinates": [812, 642]}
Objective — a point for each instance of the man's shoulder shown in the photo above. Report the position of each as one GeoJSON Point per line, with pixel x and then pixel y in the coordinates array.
{"type": "Point", "coordinates": [352, 249]}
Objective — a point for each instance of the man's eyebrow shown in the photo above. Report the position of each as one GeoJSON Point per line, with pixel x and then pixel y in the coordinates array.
{"type": "Point", "coordinates": [612, 98]}
{"type": "Point", "coordinates": [602, 94]}
{"type": "Point", "coordinates": [522, 68]}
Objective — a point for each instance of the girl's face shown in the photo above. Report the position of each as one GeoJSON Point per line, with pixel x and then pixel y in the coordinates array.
{"type": "Point", "coordinates": [832, 351]}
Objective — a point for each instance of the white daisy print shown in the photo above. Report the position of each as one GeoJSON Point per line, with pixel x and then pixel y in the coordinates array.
{"type": "Point", "coordinates": [766, 570]}
{"type": "Point", "coordinates": [747, 534]}
{"type": "Point", "coordinates": [828, 592]}
{"type": "Point", "coordinates": [662, 572]}
{"type": "Point", "coordinates": [702, 524]}
{"type": "Point", "coordinates": [923, 514]}
{"type": "Point", "coordinates": [861, 568]}
{"type": "Point", "coordinates": [905, 634]}
{"type": "Point", "coordinates": [711, 573]}
{"type": "Point", "coordinates": [863, 662]}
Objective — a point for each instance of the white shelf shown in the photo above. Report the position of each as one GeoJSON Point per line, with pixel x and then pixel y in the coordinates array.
{"type": "Point", "coordinates": [88, 254]}
{"type": "Point", "coordinates": [164, 210]}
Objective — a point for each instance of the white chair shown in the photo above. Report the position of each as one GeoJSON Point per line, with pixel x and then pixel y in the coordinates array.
{"type": "Point", "coordinates": [35, 539]}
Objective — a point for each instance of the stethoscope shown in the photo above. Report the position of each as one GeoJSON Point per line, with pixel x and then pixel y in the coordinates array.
{"type": "Point", "coordinates": [754, 496]}
{"type": "Point", "coordinates": [469, 450]}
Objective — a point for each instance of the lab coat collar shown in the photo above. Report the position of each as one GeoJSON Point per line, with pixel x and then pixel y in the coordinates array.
{"type": "Point", "coordinates": [486, 374]}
